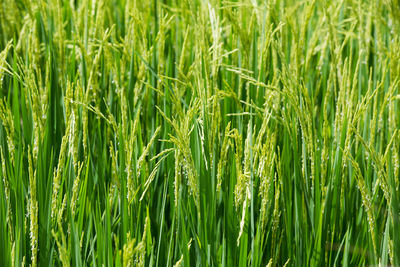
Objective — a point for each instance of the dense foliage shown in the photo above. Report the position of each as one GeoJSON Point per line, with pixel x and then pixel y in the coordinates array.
{"type": "Point", "coordinates": [199, 132]}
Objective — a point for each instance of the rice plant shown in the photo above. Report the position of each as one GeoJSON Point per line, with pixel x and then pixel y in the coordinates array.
{"type": "Point", "coordinates": [199, 133]}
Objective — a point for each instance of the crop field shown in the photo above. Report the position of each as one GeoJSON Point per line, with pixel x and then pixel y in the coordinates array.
{"type": "Point", "coordinates": [199, 133]}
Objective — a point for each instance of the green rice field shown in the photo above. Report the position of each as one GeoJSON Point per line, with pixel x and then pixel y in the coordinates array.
{"type": "Point", "coordinates": [199, 133]}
